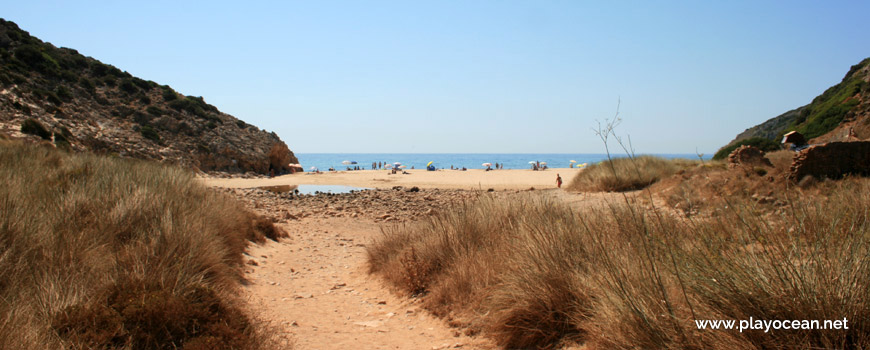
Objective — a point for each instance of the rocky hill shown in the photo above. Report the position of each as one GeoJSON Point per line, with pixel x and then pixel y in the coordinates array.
{"type": "Point", "coordinates": [829, 117]}
{"type": "Point", "coordinates": [80, 103]}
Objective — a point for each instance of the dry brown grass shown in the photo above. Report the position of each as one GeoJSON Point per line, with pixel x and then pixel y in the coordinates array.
{"type": "Point", "coordinates": [626, 174]}
{"type": "Point", "coordinates": [532, 273]}
{"type": "Point", "coordinates": [102, 253]}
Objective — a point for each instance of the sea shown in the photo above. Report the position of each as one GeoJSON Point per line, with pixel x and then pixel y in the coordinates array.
{"type": "Point", "coordinates": [325, 161]}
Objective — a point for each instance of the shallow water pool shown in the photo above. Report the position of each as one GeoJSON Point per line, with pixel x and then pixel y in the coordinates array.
{"type": "Point", "coordinates": [313, 189]}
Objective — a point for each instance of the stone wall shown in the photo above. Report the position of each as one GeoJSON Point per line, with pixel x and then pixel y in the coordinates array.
{"type": "Point", "coordinates": [832, 160]}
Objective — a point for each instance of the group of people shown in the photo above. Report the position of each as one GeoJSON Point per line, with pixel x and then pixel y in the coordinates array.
{"type": "Point", "coordinates": [379, 165]}
{"type": "Point", "coordinates": [538, 166]}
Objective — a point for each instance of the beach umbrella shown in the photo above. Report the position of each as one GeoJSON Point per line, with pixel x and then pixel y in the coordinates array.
{"type": "Point", "coordinates": [543, 163]}
{"type": "Point", "coordinates": [583, 165]}
{"type": "Point", "coordinates": [314, 168]}
{"type": "Point", "coordinates": [532, 162]}
{"type": "Point", "coordinates": [402, 166]}
{"type": "Point", "coordinates": [573, 161]}
{"type": "Point", "coordinates": [397, 164]}
{"type": "Point", "coordinates": [353, 162]}
{"type": "Point", "coordinates": [346, 162]}
{"type": "Point", "coordinates": [486, 164]}
{"type": "Point", "coordinates": [388, 166]}
{"type": "Point", "coordinates": [430, 163]}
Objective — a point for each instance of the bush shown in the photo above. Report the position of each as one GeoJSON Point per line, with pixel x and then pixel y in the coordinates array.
{"type": "Point", "coordinates": [169, 95]}
{"type": "Point", "coordinates": [63, 93]}
{"type": "Point", "coordinates": [127, 86]}
{"type": "Point", "coordinates": [34, 127]}
{"type": "Point", "coordinates": [155, 111]}
{"type": "Point", "coordinates": [764, 144]}
{"type": "Point", "coordinates": [626, 174]}
{"type": "Point", "coordinates": [107, 253]}
{"type": "Point", "coordinates": [148, 132]}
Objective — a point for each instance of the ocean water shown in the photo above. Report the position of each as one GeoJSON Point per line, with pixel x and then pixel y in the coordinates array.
{"type": "Point", "coordinates": [324, 161]}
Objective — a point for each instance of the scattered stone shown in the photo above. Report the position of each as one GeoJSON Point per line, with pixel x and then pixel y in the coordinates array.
{"type": "Point", "coordinates": [372, 324]}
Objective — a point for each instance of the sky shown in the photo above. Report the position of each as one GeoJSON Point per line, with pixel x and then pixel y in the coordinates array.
{"type": "Point", "coordinates": [475, 76]}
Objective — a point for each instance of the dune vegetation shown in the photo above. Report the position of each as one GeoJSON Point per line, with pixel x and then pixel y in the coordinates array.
{"type": "Point", "coordinates": [626, 174]}
{"type": "Point", "coordinates": [108, 253]}
{"type": "Point", "coordinates": [530, 271]}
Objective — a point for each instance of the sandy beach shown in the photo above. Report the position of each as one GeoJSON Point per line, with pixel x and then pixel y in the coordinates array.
{"type": "Point", "coordinates": [511, 179]}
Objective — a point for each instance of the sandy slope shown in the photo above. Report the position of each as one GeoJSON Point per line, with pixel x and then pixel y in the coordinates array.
{"type": "Point", "coordinates": [512, 179]}
{"type": "Point", "coordinates": [314, 286]}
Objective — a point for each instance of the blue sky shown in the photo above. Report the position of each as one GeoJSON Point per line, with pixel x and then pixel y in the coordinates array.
{"type": "Point", "coordinates": [475, 76]}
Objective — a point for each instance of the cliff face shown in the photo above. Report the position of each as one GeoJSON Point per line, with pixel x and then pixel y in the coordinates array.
{"type": "Point", "coordinates": [829, 117]}
{"type": "Point", "coordinates": [82, 104]}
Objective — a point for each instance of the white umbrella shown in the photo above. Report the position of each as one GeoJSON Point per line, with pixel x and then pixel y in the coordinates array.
{"type": "Point", "coordinates": [543, 163]}
{"type": "Point", "coordinates": [486, 164]}
{"type": "Point", "coordinates": [397, 164]}
{"type": "Point", "coordinates": [314, 168]}
{"type": "Point", "coordinates": [532, 162]}
{"type": "Point", "coordinates": [347, 162]}
{"type": "Point", "coordinates": [402, 166]}
{"type": "Point", "coordinates": [388, 166]}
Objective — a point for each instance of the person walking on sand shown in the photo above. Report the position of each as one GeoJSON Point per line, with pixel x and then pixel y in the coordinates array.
{"type": "Point", "coordinates": [558, 181]}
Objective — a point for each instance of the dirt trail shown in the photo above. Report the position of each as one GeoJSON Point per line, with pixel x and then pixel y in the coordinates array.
{"type": "Point", "coordinates": [314, 286]}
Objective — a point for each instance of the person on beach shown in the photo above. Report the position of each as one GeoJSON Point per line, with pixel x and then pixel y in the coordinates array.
{"type": "Point", "coordinates": [558, 181]}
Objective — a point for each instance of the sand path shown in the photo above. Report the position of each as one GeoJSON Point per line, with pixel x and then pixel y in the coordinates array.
{"type": "Point", "coordinates": [314, 287]}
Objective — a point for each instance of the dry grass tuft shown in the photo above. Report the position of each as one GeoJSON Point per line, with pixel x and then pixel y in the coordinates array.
{"type": "Point", "coordinates": [626, 174]}
{"type": "Point", "coordinates": [103, 253]}
{"type": "Point", "coordinates": [533, 273]}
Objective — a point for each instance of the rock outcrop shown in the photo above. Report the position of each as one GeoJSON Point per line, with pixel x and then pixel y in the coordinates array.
{"type": "Point", "coordinates": [841, 113]}
{"type": "Point", "coordinates": [86, 105]}
{"type": "Point", "coordinates": [748, 156]}
{"type": "Point", "coordinates": [832, 160]}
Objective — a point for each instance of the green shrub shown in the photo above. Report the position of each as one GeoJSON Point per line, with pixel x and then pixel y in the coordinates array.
{"type": "Point", "coordinates": [63, 93]}
{"type": "Point", "coordinates": [169, 94]}
{"type": "Point", "coordinates": [99, 69]}
{"type": "Point", "coordinates": [764, 144]}
{"type": "Point", "coordinates": [35, 58]}
{"type": "Point", "coordinates": [87, 85]}
{"type": "Point", "coordinates": [145, 85]}
{"type": "Point", "coordinates": [148, 132]}
{"type": "Point", "coordinates": [155, 111]}
{"type": "Point", "coordinates": [34, 127]}
{"type": "Point", "coordinates": [142, 118]}
{"type": "Point", "coordinates": [127, 86]}
{"type": "Point", "coordinates": [109, 81]}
